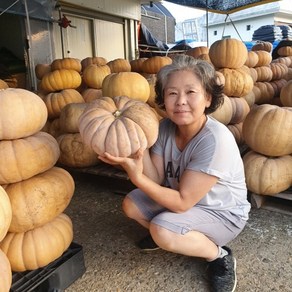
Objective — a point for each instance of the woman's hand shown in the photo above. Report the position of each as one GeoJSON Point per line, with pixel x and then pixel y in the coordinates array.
{"type": "Point", "coordinates": [132, 165]}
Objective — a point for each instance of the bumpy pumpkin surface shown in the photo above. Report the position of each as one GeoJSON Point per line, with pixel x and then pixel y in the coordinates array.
{"type": "Point", "coordinates": [39, 199]}
{"type": "Point", "coordinates": [5, 213]}
{"type": "Point", "coordinates": [38, 247]}
{"type": "Point", "coordinates": [119, 126]}
{"type": "Point", "coordinates": [26, 157]}
{"type": "Point", "coordinates": [22, 113]}
{"type": "Point", "coordinates": [5, 273]}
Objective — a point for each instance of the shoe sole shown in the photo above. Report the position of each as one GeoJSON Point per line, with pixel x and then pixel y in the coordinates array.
{"type": "Point", "coordinates": [150, 249]}
{"type": "Point", "coordinates": [235, 277]}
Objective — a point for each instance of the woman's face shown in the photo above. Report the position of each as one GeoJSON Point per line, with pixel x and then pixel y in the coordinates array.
{"type": "Point", "coordinates": [185, 99]}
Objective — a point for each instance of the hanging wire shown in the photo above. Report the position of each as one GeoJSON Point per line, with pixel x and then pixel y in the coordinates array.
{"type": "Point", "coordinates": [9, 7]}
{"type": "Point", "coordinates": [228, 16]}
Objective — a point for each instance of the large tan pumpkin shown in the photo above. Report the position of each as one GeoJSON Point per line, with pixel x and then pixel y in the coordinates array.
{"type": "Point", "coordinates": [39, 199]}
{"type": "Point", "coordinates": [74, 152]}
{"type": "Point", "coordinates": [5, 213]}
{"type": "Point", "coordinates": [267, 129]}
{"type": "Point", "coordinates": [224, 113]}
{"type": "Point", "coordinates": [56, 101]}
{"type": "Point", "coordinates": [22, 113]}
{"type": "Point", "coordinates": [93, 75]}
{"type": "Point", "coordinates": [119, 65]}
{"type": "Point", "coordinates": [131, 84]}
{"type": "Point", "coordinates": [66, 63]}
{"type": "Point", "coordinates": [286, 94]}
{"type": "Point", "coordinates": [228, 53]}
{"type": "Point", "coordinates": [5, 273]}
{"type": "Point", "coordinates": [93, 60]}
{"type": "Point", "coordinates": [119, 126]}
{"type": "Point", "coordinates": [267, 175]}
{"type": "Point", "coordinates": [26, 157]}
{"type": "Point", "coordinates": [61, 79]}
{"type": "Point", "coordinates": [38, 247]}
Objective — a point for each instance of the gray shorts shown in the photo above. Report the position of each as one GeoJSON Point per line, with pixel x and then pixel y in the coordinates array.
{"type": "Point", "coordinates": [217, 226]}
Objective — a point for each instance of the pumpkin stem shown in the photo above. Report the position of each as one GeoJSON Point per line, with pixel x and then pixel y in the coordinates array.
{"type": "Point", "coordinates": [117, 113]}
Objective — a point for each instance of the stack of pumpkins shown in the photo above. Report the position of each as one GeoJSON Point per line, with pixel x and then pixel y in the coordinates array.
{"type": "Point", "coordinates": [39, 192]}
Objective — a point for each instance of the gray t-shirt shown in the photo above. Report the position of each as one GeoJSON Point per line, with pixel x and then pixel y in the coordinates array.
{"type": "Point", "coordinates": [213, 151]}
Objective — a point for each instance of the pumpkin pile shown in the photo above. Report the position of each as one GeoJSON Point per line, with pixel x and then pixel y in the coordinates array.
{"type": "Point", "coordinates": [38, 191]}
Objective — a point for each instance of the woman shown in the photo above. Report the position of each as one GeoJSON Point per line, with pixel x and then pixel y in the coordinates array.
{"type": "Point", "coordinates": [191, 192]}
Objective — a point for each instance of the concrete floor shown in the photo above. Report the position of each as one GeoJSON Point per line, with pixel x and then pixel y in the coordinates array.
{"type": "Point", "coordinates": [113, 262]}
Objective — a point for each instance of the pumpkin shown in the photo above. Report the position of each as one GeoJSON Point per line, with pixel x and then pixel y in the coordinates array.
{"type": "Point", "coordinates": [119, 126]}
{"type": "Point", "coordinates": [131, 84]}
{"type": "Point", "coordinates": [3, 84]}
{"type": "Point", "coordinates": [90, 94]}
{"type": "Point", "coordinates": [283, 60]}
{"type": "Point", "coordinates": [267, 175]}
{"type": "Point", "coordinates": [38, 247]}
{"type": "Point", "coordinates": [237, 82]}
{"type": "Point", "coordinates": [5, 273]}
{"type": "Point", "coordinates": [74, 153]}
{"type": "Point", "coordinates": [264, 74]}
{"type": "Point", "coordinates": [277, 86]}
{"type": "Point", "coordinates": [262, 46]}
{"type": "Point", "coordinates": [61, 79]}
{"type": "Point", "coordinates": [265, 58]}
{"type": "Point", "coordinates": [5, 213]}
{"type": "Point", "coordinates": [93, 60]}
{"type": "Point", "coordinates": [252, 59]}
{"type": "Point", "coordinates": [53, 127]}
{"type": "Point", "coordinates": [197, 51]}
{"type": "Point", "coordinates": [152, 81]}
{"type": "Point", "coordinates": [26, 157]}
{"type": "Point", "coordinates": [69, 117]}
{"type": "Point", "coordinates": [265, 92]}
{"type": "Point", "coordinates": [285, 51]}
{"type": "Point", "coordinates": [22, 113]}
{"type": "Point", "coordinates": [39, 199]}
{"type": "Point", "coordinates": [286, 94]}
{"type": "Point", "coordinates": [279, 70]}
{"type": "Point", "coordinates": [93, 75]}
{"type": "Point", "coordinates": [228, 53]}
{"type": "Point", "coordinates": [250, 98]}
{"type": "Point", "coordinates": [41, 70]}
{"type": "Point", "coordinates": [236, 130]}
{"type": "Point", "coordinates": [224, 113]}
{"type": "Point", "coordinates": [153, 64]}
{"type": "Point", "coordinates": [253, 74]}
{"type": "Point", "coordinates": [66, 63]}
{"type": "Point", "coordinates": [267, 129]}
{"type": "Point", "coordinates": [240, 109]}
{"type": "Point", "coordinates": [136, 65]}
{"type": "Point", "coordinates": [119, 65]}
{"type": "Point", "coordinates": [55, 101]}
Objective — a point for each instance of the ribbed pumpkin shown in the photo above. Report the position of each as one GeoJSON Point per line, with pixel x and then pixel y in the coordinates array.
{"type": "Point", "coordinates": [265, 92]}
{"type": "Point", "coordinates": [90, 94]}
{"type": "Point", "coordinates": [74, 152]}
{"type": "Point", "coordinates": [240, 109]}
{"type": "Point", "coordinates": [136, 65]}
{"type": "Point", "coordinates": [22, 113]}
{"type": "Point", "coordinates": [53, 127]}
{"type": "Point", "coordinates": [5, 273]}
{"type": "Point", "coordinates": [55, 101]}
{"type": "Point", "coordinates": [119, 126]}
{"type": "Point", "coordinates": [61, 79]}
{"type": "Point", "coordinates": [93, 60]}
{"type": "Point", "coordinates": [5, 214]}
{"type": "Point", "coordinates": [237, 82]}
{"type": "Point", "coordinates": [236, 130]}
{"type": "Point", "coordinates": [228, 53]}
{"type": "Point", "coordinates": [279, 70]}
{"type": "Point", "coordinates": [93, 75]}
{"type": "Point", "coordinates": [38, 247]}
{"type": "Point", "coordinates": [286, 94]}
{"type": "Point", "coordinates": [66, 63]}
{"type": "Point", "coordinates": [263, 46]}
{"type": "Point", "coordinates": [131, 84]}
{"type": "Point", "coordinates": [69, 117]}
{"type": "Point", "coordinates": [119, 65]}
{"type": "Point", "coordinates": [267, 129]}
{"type": "Point", "coordinates": [278, 85]}
{"type": "Point", "coordinates": [264, 73]}
{"type": "Point", "coordinates": [39, 199]}
{"type": "Point", "coordinates": [252, 59]}
{"type": "Point", "coordinates": [197, 51]}
{"type": "Point", "coordinates": [267, 175]}
{"type": "Point", "coordinates": [285, 51]}
{"type": "Point", "coordinates": [224, 113]}
{"type": "Point", "coordinates": [26, 157]}
{"type": "Point", "coordinates": [41, 70]}
{"type": "Point", "coordinates": [153, 64]}
{"type": "Point", "coordinates": [265, 58]}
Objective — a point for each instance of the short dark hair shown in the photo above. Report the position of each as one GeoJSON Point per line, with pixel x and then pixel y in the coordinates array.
{"type": "Point", "coordinates": [204, 71]}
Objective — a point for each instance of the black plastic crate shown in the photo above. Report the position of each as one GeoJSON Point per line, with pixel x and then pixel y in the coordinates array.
{"type": "Point", "coordinates": [56, 276]}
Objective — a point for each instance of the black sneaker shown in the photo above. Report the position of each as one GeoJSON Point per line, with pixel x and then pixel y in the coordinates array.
{"type": "Point", "coordinates": [222, 273]}
{"type": "Point", "coordinates": [147, 244]}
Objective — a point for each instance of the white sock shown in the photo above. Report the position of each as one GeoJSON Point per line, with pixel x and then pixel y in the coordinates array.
{"type": "Point", "coordinates": [221, 253]}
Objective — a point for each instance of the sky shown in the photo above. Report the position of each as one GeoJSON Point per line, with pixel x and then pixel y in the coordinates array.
{"type": "Point", "coordinates": [181, 13]}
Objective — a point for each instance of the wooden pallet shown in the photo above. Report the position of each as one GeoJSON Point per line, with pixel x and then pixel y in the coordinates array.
{"type": "Point", "coordinates": [281, 202]}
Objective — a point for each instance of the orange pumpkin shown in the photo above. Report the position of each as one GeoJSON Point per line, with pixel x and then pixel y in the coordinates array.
{"type": "Point", "coordinates": [3, 84]}
{"type": "Point", "coordinates": [263, 46]}
{"type": "Point", "coordinates": [197, 51]}
{"type": "Point", "coordinates": [26, 157]}
{"type": "Point", "coordinates": [22, 113]}
{"type": "Point", "coordinates": [93, 75]}
{"type": "Point", "coordinates": [136, 65]}
{"type": "Point", "coordinates": [252, 59]}
{"type": "Point", "coordinates": [38, 247]}
{"type": "Point", "coordinates": [119, 126]}
{"type": "Point", "coordinates": [93, 60]}
{"type": "Point", "coordinates": [119, 65]}
{"type": "Point", "coordinates": [41, 70]}
{"type": "Point", "coordinates": [66, 63]}
{"type": "Point", "coordinates": [153, 64]}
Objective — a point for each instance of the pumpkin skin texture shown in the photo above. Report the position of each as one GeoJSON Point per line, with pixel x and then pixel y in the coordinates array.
{"type": "Point", "coordinates": [74, 153]}
{"type": "Point", "coordinates": [197, 51]}
{"type": "Point", "coordinates": [136, 65]}
{"type": "Point", "coordinates": [39, 199]}
{"type": "Point", "coordinates": [228, 53]}
{"type": "Point", "coordinates": [22, 113]}
{"type": "Point", "coordinates": [38, 247]}
{"type": "Point", "coordinates": [131, 84]}
{"type": "Point", "coordinates": [61, 79]}
{"type": "Point", "coordinates": [5, 273]}
{"type": "Point", "coordinates": [263, 46]}
{"type": "Point", "coordinates": [240, 109]}
{"type": "Point", "coordinates": [267, 175]}
{"type": "Point", "coordinates": [93, 75]}
{"type": "Point", "coordinates": [41, 70]}
{"type": "Point", "coordinates": [119, 126]}
{"type": "Point", "coordinates": [286, 94]}
{"type": "Point", "coordinates": [153, 64]}
{"type": "Point", "coordinates": [55, 101]}
{"type": "Point", "coordinates": [93, 60]}
{"type": "Point", "coordinates": [119, 65]}
{"type": "Point", "coordinates": [5, 213]}
{"type": "Point", "coordinates": [66, 63]}
{"type": "Point", "coordinates": [90, 94]}
{"type": "Point", "coordinates": [267, 129]}
{"type": "Point", "coordinates": [224, 113]}
{"type": "Point", "coordinates": [26, 157]}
